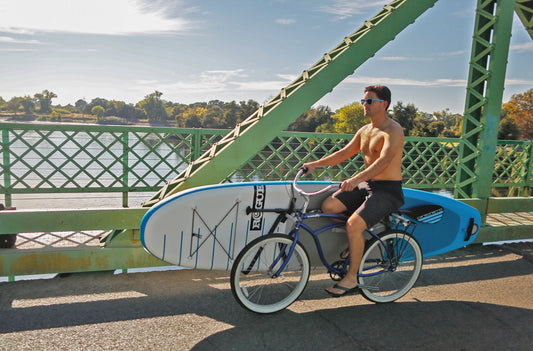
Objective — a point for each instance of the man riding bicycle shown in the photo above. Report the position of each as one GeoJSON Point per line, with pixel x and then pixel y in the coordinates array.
{"type": "Point", "coordinates": [373, 193]}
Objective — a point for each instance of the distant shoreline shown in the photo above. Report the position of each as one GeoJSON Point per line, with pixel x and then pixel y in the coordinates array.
{"type": "Point", "coordinates": [79, 118]}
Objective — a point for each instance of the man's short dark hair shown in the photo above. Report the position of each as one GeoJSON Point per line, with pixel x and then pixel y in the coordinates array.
{"type": "Point", "coordinates": [381, 91]}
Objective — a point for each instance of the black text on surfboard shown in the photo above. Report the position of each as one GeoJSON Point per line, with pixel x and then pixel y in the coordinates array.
{"type": "Point", "coordinates": [256, 222]}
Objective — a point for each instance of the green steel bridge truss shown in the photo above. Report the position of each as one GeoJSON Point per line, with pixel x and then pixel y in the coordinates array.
{"type": "Point", "coordinates": [84, 159]}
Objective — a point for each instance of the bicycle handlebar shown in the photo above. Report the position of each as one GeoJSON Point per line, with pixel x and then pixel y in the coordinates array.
{"type": "Point", "coordinates": [304, 170]}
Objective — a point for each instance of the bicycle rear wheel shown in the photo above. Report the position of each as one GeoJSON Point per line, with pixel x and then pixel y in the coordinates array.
{"type": "Point", "coordinates": [253, 281]}
{"type": "Point", "coordinates": [390, 267]}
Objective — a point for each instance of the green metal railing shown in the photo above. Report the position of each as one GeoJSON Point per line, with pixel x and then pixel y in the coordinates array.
{"type": "Point", "coordinates": [59, 158]}
{"type": "Point", "coordinates": [53, 159]}
{"type": "Point", "coordinates": [62, 158]}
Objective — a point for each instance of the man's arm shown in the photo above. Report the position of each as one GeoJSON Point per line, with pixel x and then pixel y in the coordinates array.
{"type": "Point", "coordinates": [353, 147]}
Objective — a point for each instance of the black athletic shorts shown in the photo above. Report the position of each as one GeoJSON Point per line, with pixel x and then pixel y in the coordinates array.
{"type": "Point", "coordinates": [372, 200]}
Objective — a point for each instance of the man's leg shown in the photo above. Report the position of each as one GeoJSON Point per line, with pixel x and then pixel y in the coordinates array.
{"type": "Point", "coordinates": [356, 242]}
{"type": "Point", "coordinates": [333, 206]}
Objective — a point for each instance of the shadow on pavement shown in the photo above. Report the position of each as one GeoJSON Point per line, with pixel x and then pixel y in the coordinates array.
{"type": "Point", "coordinates": [55, 303]}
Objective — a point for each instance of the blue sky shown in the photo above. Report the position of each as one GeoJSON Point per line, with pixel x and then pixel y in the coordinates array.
{"type": "Point", "coordinates": [201, 50]}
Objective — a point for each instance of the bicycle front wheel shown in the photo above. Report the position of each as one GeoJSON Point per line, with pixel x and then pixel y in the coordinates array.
{"type": "Point", "coordinates": [390, 266]}
{"type": "Point", "coordinates": [256, 280]}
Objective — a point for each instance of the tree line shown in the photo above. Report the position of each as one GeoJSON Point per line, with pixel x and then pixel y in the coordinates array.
{"type": "Point", "coordinates": [516, 116]}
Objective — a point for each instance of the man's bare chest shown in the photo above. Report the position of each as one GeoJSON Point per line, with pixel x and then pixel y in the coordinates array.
{"type": "Point", "coordinates": [372, 143]}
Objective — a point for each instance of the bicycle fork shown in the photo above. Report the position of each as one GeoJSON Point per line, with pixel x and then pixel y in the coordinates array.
{"type": "Point", "coordinates": [286, 256]}
{"type": "Point", "coordinates": [282, 255]}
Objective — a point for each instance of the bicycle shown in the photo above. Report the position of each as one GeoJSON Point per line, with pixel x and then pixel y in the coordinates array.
{"type": "Point", "coordinates": [272, 271]}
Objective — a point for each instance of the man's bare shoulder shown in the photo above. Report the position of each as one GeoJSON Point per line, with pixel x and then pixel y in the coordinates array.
{"type": "Point", "coordinates": [365, 129]}
{"type": "Point", "coordinates": [394, 128]}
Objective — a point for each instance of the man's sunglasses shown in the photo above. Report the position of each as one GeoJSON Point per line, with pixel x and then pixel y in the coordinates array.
{"type": "Point", "coordinates": [370, 101]}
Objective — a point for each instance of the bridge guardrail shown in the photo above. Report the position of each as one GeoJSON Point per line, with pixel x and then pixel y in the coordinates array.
{"type": "Point", "coordinates": [62, 158]}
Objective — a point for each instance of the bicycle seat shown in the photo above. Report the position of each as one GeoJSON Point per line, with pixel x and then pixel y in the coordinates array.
{"type": "Point", "coordinates": [424, 213]}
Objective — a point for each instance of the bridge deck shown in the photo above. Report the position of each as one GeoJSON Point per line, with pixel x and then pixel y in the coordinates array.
{"type": "Point", "coordinates": [510, 219]}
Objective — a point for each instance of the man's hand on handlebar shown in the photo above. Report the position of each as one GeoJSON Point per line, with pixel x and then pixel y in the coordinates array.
{"type": "Point", "coordinates": [349, 184]}
{"type": "Point", "coordinates": [308, 168]}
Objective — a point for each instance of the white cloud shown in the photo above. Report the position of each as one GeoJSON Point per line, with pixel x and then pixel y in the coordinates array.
{"type": "Point", "coordinates": [287, 77]}
{"type": "Point", "coordinates": [10, 40]}
{"type": "Point", "coordinates": [117, 17]}
{"type": "Point", "coordinates": [522, 47]}
{"type": "Point", "coordinates": [454, 53]}
{"type": "Point", "coordinates": [439, 56]}
{"type": "Point", "coordinates": [266, 85]}
{"type": "Point", "coordinates": [511, 81]}
{"type": "Point", "coordinates": [16, 50]}
{"type": "Point", "coordinates": [217, 81]}
{"type": "Point", "coordinates": [405, 81]}
{"type": "Point", "coordinates": [395, 58]}
{"type": "Point", "coordinates": [285, 21]}
{"type": "Point", "coordinates": [438, 83]}
{"type": "Point", "coordinates": [343, 9]}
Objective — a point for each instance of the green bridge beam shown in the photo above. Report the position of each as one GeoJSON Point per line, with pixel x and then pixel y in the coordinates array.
{"type": "Point", "coordinates": [263, 125]}
{"type": "Point", "coordinates": [35, 221]}
{"type": "Point", "coordinates": [524, 10]}
{"type": "Point", "coordinates": [490, 48]}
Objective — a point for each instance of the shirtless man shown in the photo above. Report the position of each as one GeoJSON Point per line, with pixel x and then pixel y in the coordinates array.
{"type": "Point", "coordinates": [373, 193]}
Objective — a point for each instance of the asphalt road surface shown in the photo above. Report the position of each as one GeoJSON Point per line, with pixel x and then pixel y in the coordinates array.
{"type": "Point", "coordinates": [476, 298]}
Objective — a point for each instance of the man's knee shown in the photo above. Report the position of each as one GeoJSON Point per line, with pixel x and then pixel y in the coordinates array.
{"type": "Point", "coordinates": [333, 206]}
{"type": "Point", "coordinates": [355, 224]}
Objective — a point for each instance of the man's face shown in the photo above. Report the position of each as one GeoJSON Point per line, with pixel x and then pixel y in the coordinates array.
{"type": "Point", "coordinates": [376, 107]}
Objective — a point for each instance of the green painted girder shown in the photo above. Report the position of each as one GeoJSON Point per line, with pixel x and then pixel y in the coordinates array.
{"type": "Point", "coordinates": [73, 260]}
{"type": "Point", "coordinates": [489, 233]}
{"type": "Point", "coordinates": [488, 63]}
{"type": "Point", "coordinates": [34, 221]}
{"type": "Point", "coordinates": [524, 10]}
{"type": "Point", "coordinates": [264, 124]}
{"type": "Point", "coordinates": [125, 253]}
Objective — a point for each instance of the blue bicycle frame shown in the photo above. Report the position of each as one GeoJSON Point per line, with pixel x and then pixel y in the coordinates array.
{"type": "Point", "coordinates": [294, 235]}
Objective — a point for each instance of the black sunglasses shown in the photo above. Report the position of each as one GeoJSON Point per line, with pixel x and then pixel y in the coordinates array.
{"type": "Point", "coordinates": [370, 101]}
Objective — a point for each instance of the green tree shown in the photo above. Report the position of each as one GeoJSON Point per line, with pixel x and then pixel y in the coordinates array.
{"type": "Point", "coordinates": [177, 114]}
{"type": "Point", "coordinates": [246, 109]}
{"type": "Point", "coordinates": [13, 104]}
{"type": "Point", "coordinates": [451, 121]}
{"type": "Point", "coordinates": [213, 116]}
{"type": "Point", "coordinates": [80, 105]}
{"type": "Point", "coordinates": [28, 104]}
{"type": "Point", "coordinates": [231, 115]}
{"type": "Point", "coordinates": [435, 128]}
{"type": "Point", "coordinates": [130, 112]}
{"type": "Point", "coordinates": [99, 112]}
{"type": "Point", "coordinates": [55, 116]}
{"type": "Point", "coordinates": [421, 125]}
{"type": "Point", "coordinates": [311, 119]}
{"type": "Point", "coordinates": [45, 100]}
{"type": "Point", "coordinates": [508, 129]}
{"type": "Point", "coordinates": [347, 120]}
{"type": "Point", "coordinates": [520, 109]}
{"type": "Point", "coordinates": [405, 115]}
{"type": "Point", "coordinates": [113, 107]}
{"type": "Point", "coordinates": [154, 107]}
{"type": "Point", "coordinates": [95, 102]}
